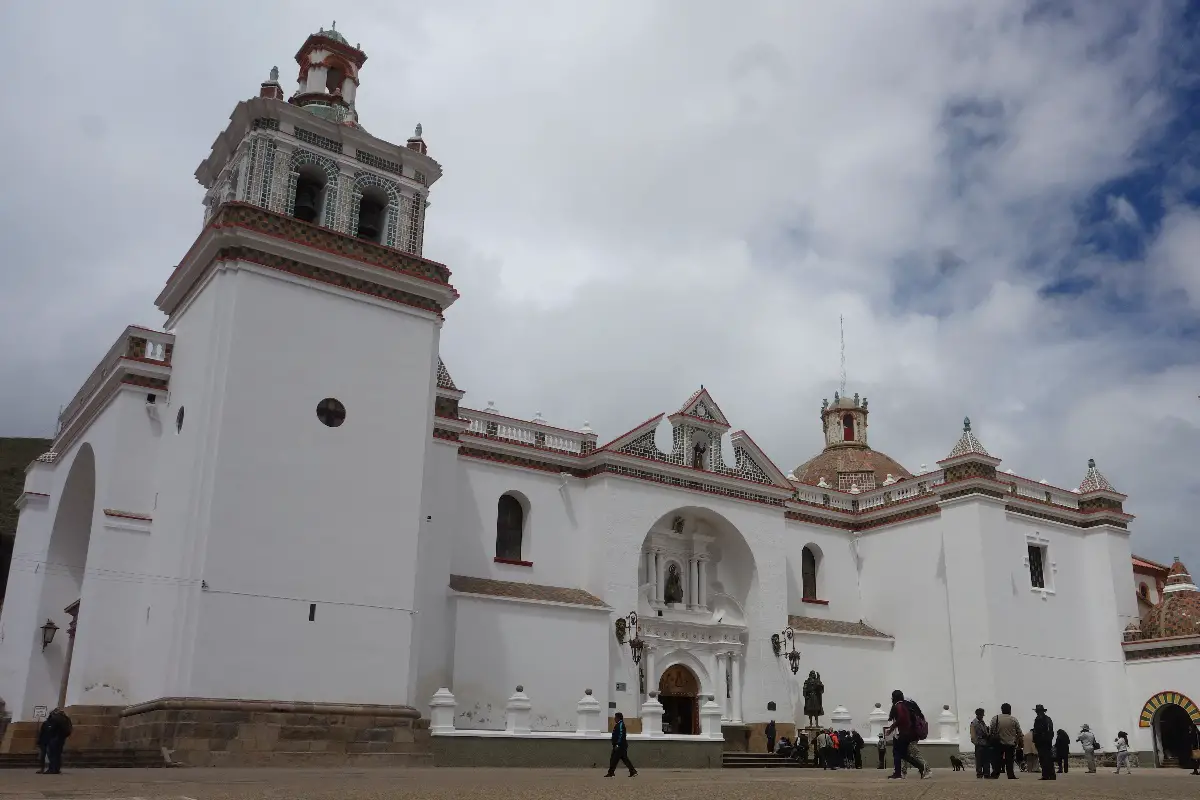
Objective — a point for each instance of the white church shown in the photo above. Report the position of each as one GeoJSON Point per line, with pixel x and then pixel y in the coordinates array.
{"type": "Point", "coordinates": [276, 526]}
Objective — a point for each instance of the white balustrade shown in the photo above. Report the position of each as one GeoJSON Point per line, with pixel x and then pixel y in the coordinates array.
{"type": "Point", "coordinates": [588, 712]}
{"type": "Point", "coordinates": [652, 716]}
{"type": "Point", "coordinates": [535, 433]}
{"type": "Point", "coordinates": [441, 712]}
{"type": "Point", "coordinates": [517, 712]}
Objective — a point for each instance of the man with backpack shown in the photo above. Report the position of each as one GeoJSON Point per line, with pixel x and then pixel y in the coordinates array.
{"type": "Point", "coordinates": [909, 724]}
{"type": "Point", "coordinates": [1005, 733]}
{"type": "Point", "coordinates": [53, 736]}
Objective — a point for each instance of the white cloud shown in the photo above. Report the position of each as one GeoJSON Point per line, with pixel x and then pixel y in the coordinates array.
{"type": "Point", "coordinates": [642, 197]}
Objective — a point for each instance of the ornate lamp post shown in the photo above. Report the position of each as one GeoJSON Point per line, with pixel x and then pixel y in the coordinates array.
{"type": "Point", "coordinates": [626, 625]}
{"type": "Point", "coordinates": [778, 642]}
{"type": "Point", "coordinates": [48, 631]}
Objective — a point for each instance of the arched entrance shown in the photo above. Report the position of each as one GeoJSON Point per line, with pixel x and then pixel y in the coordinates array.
{"type": "Point", "coordinates": [63, 576]}
{"type": "Point", "coordinates": [1175, 736]}
{"type": "Point", "coordinates": [1174, 718]}
{"type": "Point", "coordinates": [679, 693]}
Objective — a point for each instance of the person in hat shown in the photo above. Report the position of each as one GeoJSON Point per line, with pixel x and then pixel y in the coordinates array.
{"type": "Point", "coordinates": [1043, 740]}
{"type": "Point", "coordinates": [1087, 740]}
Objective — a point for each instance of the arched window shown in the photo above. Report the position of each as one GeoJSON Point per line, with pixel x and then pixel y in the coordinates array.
{"type": "Point", "coordinates": [510, 524]}
{"type": "Point", "coordinates": [310, 195]}
{"type": "Point", "coordinates": [1145, 591]}
{"type": "Point", "coordinates": [808, 574]}
{"type": "Point", "coordinates": [372, 215]}
{"type": "Point", "coordinates": [848, 428]}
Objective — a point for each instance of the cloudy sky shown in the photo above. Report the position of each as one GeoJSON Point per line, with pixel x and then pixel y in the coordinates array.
{"type": "Point", "coordinates": [1002, 199]}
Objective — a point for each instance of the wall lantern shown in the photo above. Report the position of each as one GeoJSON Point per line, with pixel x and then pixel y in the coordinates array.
{"type": "Point", "coordinates": [48, 631]}
{"type": "Point", "coordinates": [780, 642]}
{"type": "Point", "coordinates": [626, 625]}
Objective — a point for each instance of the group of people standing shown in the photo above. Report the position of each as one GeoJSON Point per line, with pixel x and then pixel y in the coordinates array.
{"type": "Point", "coordinates": [1000, 745]}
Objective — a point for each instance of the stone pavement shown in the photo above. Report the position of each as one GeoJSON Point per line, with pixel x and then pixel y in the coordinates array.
{"type": "Point", "coordinates": [511, 784]}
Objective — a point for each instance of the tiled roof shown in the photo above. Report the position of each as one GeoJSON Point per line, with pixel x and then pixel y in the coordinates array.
{"type": "Point", "coordinates": [814, 625]}
{"type": "Point", "coordinates": [49, 457]}
{"type": "Point", "coordinates": [1146, 563]}
{"type": "Point", "coordinates": [967, 443]}
{"type": "Point", "coordinates": [1178, 613]}
{"type": "Point", "coordinates": [1093, 481]}
{"type": "Point", "coordinates": [443, 377]}
{"type": "Point", "coordinates": [828, 463]}
{"type": "Point", "coordinates": [523, 591]}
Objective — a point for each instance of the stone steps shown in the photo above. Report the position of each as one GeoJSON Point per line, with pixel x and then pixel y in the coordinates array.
{"type": "Point", "coordinates": [108, 758]}
{"type": "Point", "coordinates": [733, 760]}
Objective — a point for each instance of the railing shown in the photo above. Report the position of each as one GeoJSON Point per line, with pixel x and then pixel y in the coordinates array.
{"type": "Point", "coordinates": [1034, 490]}
{"type": "Point", "coordinates": [534, 434]}
{"type": "Point", "coordinates": [874, 498]}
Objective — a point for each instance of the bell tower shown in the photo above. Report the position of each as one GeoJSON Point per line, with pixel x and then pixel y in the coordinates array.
{"type": "Point", "coordinates": [845, 421]}
{"type": "Point", "coordinates": [307, 326]}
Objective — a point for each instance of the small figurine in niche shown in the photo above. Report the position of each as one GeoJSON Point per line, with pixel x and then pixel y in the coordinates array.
{"type": "Point", "coordinates": [673, 591]}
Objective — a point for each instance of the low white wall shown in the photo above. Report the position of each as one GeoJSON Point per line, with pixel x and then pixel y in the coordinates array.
{"type": "Point", "coordinates": [551, 650]}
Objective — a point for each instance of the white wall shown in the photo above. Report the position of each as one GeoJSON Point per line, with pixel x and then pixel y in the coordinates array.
{"type": "Point", "coordinates": [554, 652]}
{"type": "Point", "coordinates": [837, 572]}
{"type": "Point", "coordinates": [317, 514]}
{"type": "Point", "coordinates": [444, 496]}
{"type": "Point", "coordinates": [1148, 677]}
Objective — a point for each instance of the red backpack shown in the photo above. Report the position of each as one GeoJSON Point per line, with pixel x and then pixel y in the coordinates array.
{"type": "Point", "coordinates": [920, 726]}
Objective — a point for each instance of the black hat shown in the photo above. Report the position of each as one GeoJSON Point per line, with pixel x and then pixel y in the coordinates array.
{"type": "Point", "coordinates": [1039, 708]}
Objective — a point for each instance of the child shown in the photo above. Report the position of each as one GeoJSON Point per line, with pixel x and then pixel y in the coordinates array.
{"type": "Point", "coordinates": [1122, 742]}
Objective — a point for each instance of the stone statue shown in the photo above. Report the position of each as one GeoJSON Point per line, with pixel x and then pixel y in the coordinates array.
{"type": "Point", "coordinates": [698, 455]}
{"type": "Point", "coordinates": [274, 74]}
{"type": "Point", "coordinates": [813, 690]}
{"type": "Point", "coordinates": [673, 591]}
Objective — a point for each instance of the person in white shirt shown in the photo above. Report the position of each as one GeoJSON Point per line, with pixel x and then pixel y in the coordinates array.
{"type": "Point", "coordinates": [1087, 740]}
{"type": "Point", "coordinates": [1122, 742]}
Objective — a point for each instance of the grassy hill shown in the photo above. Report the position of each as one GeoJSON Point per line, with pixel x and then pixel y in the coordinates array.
{"type": "Point", "coordinates": [15, 455]}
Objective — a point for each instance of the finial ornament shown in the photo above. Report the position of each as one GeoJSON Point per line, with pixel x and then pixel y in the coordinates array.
{"type": "Point", "coordinates": [274, 74]}
{"type": "Point", "coordinates": [966, 424]}
{"type": "Point", "coordinates": [333, 27]}
{"type": "Point", "coordinates": [417, 133]}
{"type": "Point", "coordinates": [1091, 463]}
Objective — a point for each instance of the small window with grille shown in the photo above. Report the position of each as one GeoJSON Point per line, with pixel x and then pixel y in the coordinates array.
{"type": "Point", "coordinates": [1037, 561]}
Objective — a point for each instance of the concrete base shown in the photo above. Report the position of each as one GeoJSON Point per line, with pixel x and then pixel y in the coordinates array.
{"type": "Point", "coordinates": [737, 738]}
{"type": "Point", "coordinates": [503, 751]}
{"type": "Point", "coordinates": [208, 733]}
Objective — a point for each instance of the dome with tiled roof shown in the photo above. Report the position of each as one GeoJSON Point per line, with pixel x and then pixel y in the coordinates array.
{"type": "Point", "coordinates": [1178, 613]}
{"type": "Point", "coordinates": [847, 462]}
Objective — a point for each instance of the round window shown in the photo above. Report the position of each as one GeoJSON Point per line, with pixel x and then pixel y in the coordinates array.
{"type": "Point", "coordinates": [331, 412]}
{"type": "Point", "coordinates": [179, 420]}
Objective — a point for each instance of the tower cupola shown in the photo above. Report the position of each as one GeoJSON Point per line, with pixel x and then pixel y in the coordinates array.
{"type": "Point", "coordinates": [328, 78]}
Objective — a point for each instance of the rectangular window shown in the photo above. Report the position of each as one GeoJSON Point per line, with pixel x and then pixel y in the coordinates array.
{"type": "Point", "coordinates": [1037, 575]}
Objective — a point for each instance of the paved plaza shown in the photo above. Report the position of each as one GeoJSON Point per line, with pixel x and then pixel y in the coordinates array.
{"type": "Point", "coordinates": [501, 784]}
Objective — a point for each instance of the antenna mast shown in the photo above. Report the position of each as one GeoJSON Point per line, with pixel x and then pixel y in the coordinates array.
{"type": "Point", "coordinates": [842, 332]}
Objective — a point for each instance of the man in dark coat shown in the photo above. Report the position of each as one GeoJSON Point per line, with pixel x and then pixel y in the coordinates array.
{"type": "Point", "coordinates": [620, 747]}
{"type": "Point", "coordinates": [857, 747]}
{"type": "Point", "coordinates": [1043, 740]}
{"type": "Point", "coordinates": [54, 733]}
{"type": "Point", "coordinates": [771, 736]}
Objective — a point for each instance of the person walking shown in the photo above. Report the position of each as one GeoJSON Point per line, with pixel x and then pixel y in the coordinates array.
{"type": "Point", "coordinates": [1043, 742]}
{"type": "Point", "coordinates": [620, 747]}
{"type": "Point", "coordinates": [1006, 732]}
{"type": "Point", "coordinates": [770, 731]}
{"type": "Point", "coordinates": [1087, 740]}
{"type": "Point", "coordinates": [881, 746]}
{"type": "Point", "coordinates": [54, 733]}
{"type": "Point", "coordinates": [903, 719]}
{"type": "Point", "coordinates": [1062, 750]}
{"type": "Point", "coordinates": [1122, 742]}
{"type": "Point", "coordinates": [857, 745]}
{"type": "Point", "coordinates": [979, 738]}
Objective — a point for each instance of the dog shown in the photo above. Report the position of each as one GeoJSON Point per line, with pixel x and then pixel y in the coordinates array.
{"type": "Point", "coordinates": [957, 763]}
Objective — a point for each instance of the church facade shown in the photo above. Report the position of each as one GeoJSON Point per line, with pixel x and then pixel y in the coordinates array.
{"type": "Point", "coordinates": [282, 498]}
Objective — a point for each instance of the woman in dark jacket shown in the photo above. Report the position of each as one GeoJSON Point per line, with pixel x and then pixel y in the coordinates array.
{"type": "Point", "coordinates": [1062, 749]}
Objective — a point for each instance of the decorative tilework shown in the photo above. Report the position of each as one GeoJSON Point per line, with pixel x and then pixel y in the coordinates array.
{"type": "Point", "coordinates": [1093, 481]}
{"type": "Point", "coordinates": [444, 381]}
{"type": "Point", "coordinates": [390, 188]}
{"type": "Point", "coordinates": [967, 443]}
{"type": "Point", "coordinates": [326, 276]}
{"type": "Point", "coordinates": [379, 163]}
{"type": "Point", "coordinates": [746, 467]}
{"type": "Point", "coordinates": [1146, 719]}
{"type": "Point", "coordinates": [330, 167]}
{"type": "Point", "coordinates": [413, 234]}
{"type": "Point", "coordinates": [265, 123]}
{"type": "Point", "coordinates": [317, 140]}
{"type": "Point", "coordinates": [442, 433]}
{"type": "Point", "coordinates": [287, 227]}
{"type": "Point", "coordinates": [445, 407]}
{"type": "Point", "coordinates": [644, 447]}
{"type": "Point", "coordinates": [1166, 651]}
{"type": "Point", "coordinates": [420, 177]}
{"type": "Point", "coordinates": [268, 171]}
